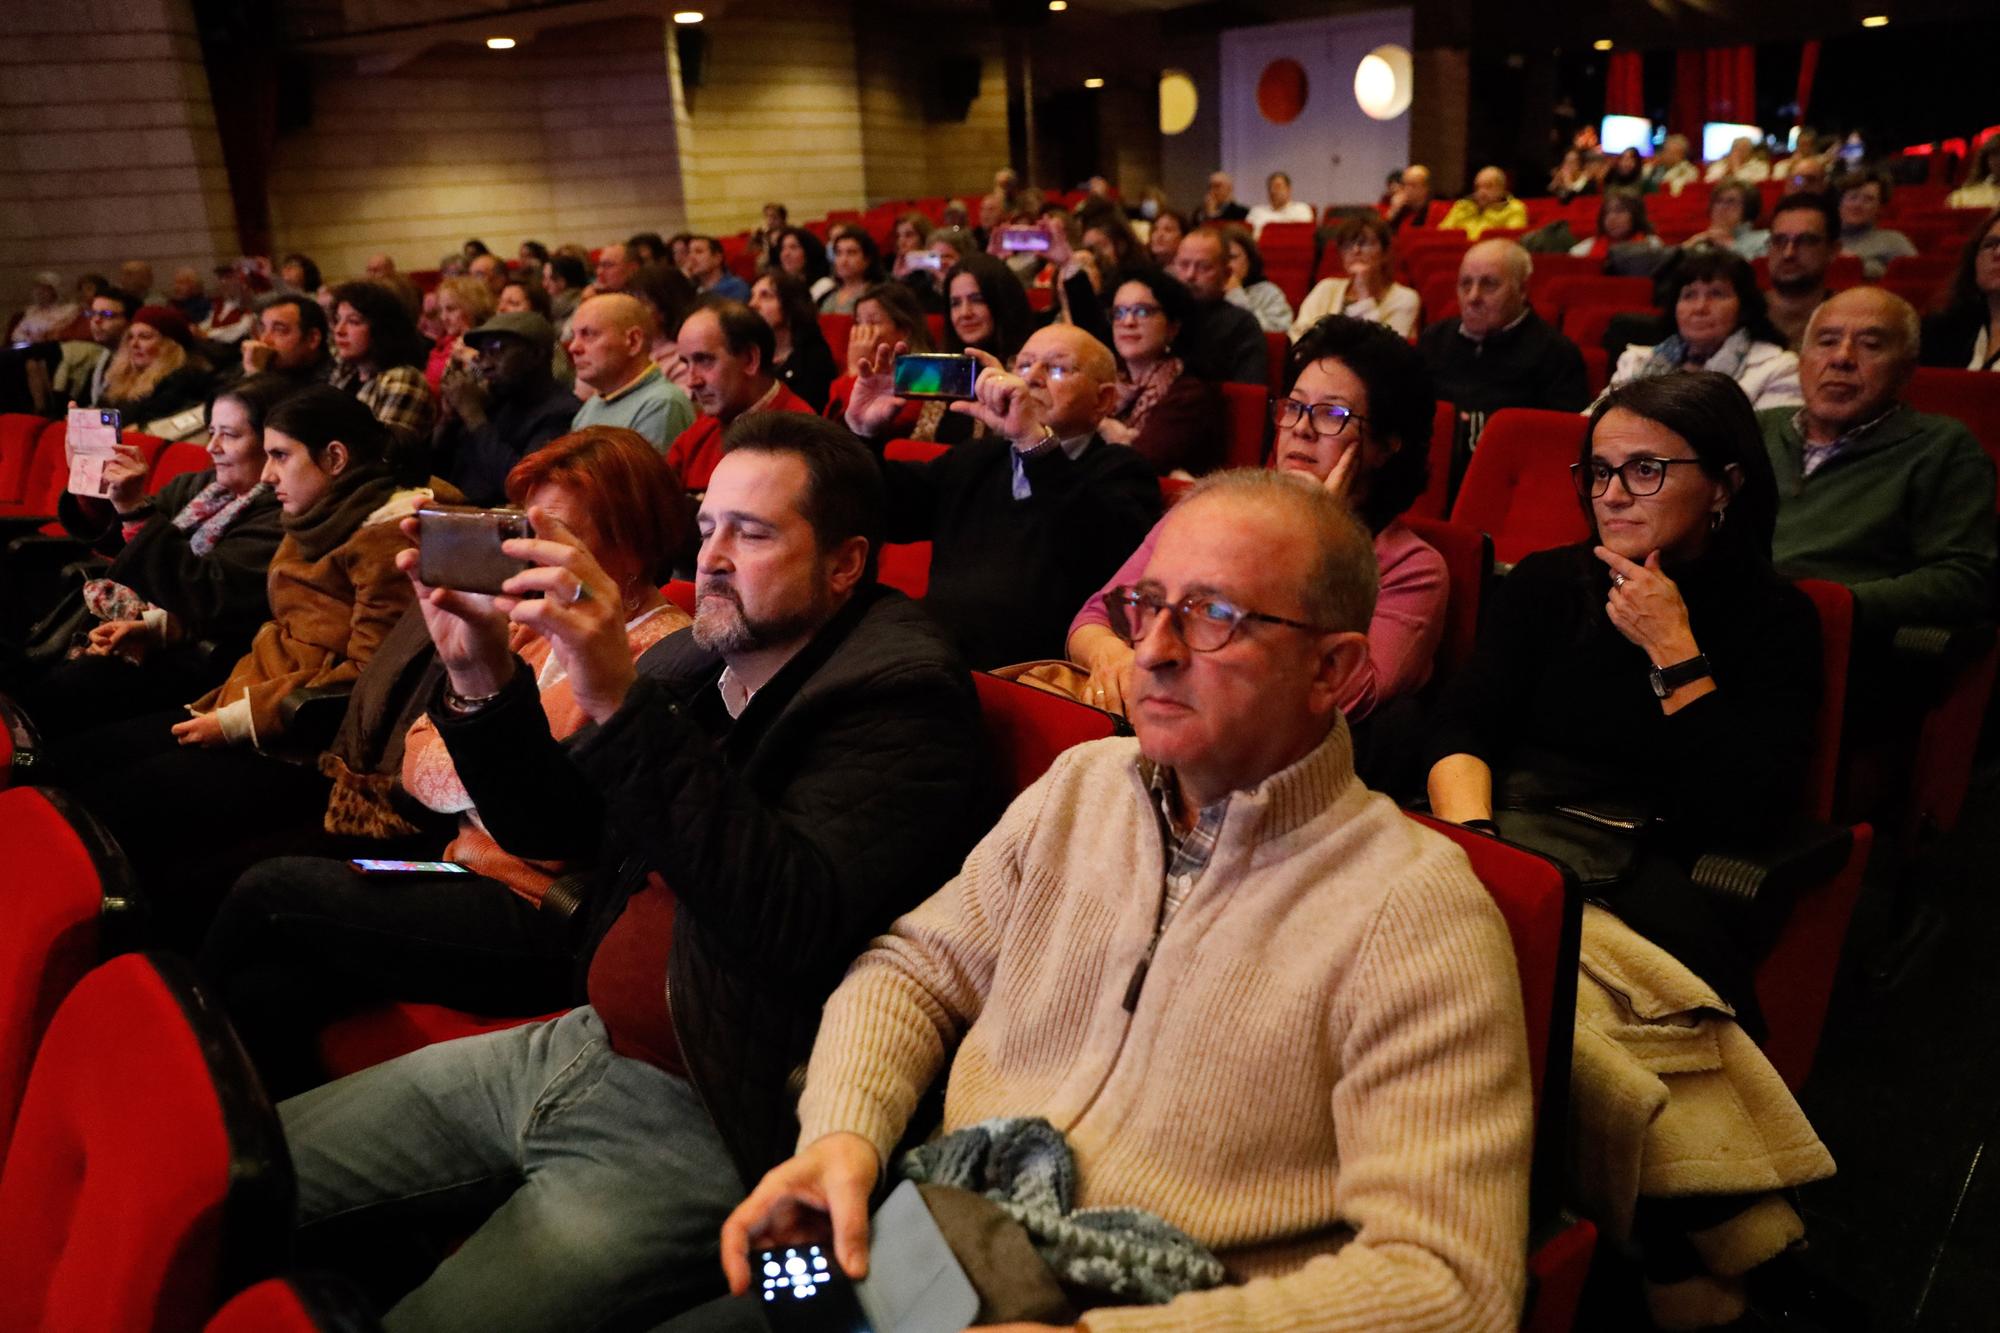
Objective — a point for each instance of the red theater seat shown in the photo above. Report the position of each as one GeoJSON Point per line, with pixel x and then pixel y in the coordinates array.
{"type": "Point", "coordinates": [1468, 563]}
{"type": "Point", "coordinates": [18, 433]}
{"type": "Point", "coordinates": [1248, 413]}
{"type": "Point", "coordinates": [307, 1303]}
{"type": "Point", "coordinates": [1973, 396]}
{"type": "Point", "coordinates": [1028, 728]}
{"type": "Point", "coordinates": [1435, 502]}
{"type": "Point", "coordinates": [1517, 488]}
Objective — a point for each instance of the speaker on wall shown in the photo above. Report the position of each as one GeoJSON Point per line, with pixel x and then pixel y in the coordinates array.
{"type": "Point", "coordinates": [692, 43]}
{"type": "Point", "coordinates": [951, 88]}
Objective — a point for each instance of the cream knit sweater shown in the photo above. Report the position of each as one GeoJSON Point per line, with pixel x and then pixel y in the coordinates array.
{"type": "Point", "coordinates": [1325, 1078]}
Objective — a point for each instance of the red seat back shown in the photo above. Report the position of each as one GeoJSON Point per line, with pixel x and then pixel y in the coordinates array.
{"type": "Point", "coordinates": [1277, 347]}
{"type": "Point", "coordinates": [1835, 605]}
{"type": "Point", "coordinates": [305, 1303]}
{"type": "Point", "coordinates": [1439, 294]}
{"type": "Point", "coordinates": [1028, 728]}
{"type": "Point", "coordinates": [176, 460]}
{"type": "Point", "coordinates": [1596, 366]}
{"type": "Point", "coordinates": [913, 451]}
{"type": "Point", "coordinates": [47, 475]}
{"type": "Point", "coordinates": [147, 1180]}
{"type": "Point", "coordinates": [906, 566]}
{"type": "Point", "coordinates": [1517, 488]}
{"type": "Point", "coordinates": [18, 433]}
{"type": "Point", "coordinates": [61, 875]}
{"type": "Point", "coordinates": [681, 593]}
{"type": "Point", "coordinates": [1561, 293]}
{"type": "Point", "coordinates": [1286, 238]}
{"type": "Point", "coordinates": [1973, 396]}
{"type": "Point", "coordinates": [1468, 563]}
{"type": "Point", "coordinates": [1247, 411]}
{"type": "Point", "coordinates": [835, 328]}
{"type": "Point", "coordinates": [1586, 324]}
{"type": "Point", "coordinates": [1796, 979]}
{"type": "Point", "coordinates": [1435, 502]}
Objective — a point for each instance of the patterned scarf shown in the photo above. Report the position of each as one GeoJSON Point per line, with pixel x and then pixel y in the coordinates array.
{"type": "Point", "coordinates": [211, 512]}
{"type": "Point", "coordinates": [1672, 354]}
{"type": "Point", "coordinates": [1138, 397]}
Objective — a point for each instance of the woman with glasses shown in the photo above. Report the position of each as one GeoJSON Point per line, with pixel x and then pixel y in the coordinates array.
{"type": "Point", "coordinates": [1173, 419]}
{"type": "Point", "coordinates": [1720, 325]}
{"type": "Point", "coordinates": [1249, 288]}
{"type": "Point", "coordinates": [1366, 288]}
{"type": "Point", "coordinates": [1660, 669]}
{"type": "Point", "coordinates": [1355, 419]}
{"type": "Point", "coordinates": [1621, 220]}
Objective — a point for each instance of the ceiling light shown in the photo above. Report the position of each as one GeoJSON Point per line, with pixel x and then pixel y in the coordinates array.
{"type": "Point", "coordinates": [687, 16]}
{"type": "Point", "coordinates": [1875, 21]}
{"type": "Point", "coordinates": [499, 43]}
{"type": "Point", "coordinates": [1093, 83]}
{"type": "Point", "coordinates": [1058, 6]}
{"type": "Point", "coordinates": [1601, 44]}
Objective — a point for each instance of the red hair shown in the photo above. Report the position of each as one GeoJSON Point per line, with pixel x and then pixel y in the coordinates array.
{"type": "Point", "coordinates": [629, 492]}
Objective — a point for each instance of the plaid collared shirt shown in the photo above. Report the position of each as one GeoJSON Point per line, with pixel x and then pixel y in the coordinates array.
{"type": "Point", "coordinates": [397, 397]}
{"type": "Point", "coordinates": [1813, 457]}
{"type": "Point", "coordinates": [1187, 854]}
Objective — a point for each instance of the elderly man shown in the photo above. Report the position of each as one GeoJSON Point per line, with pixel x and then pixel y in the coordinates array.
{"type": "Point", "coordinates": [503, 408]}
{"type": "Point", "coordinates": [187, 295]}
{"type": "Point", "coordinates": [135, 278]}
{"type": "Point", "coordinates": [1496, 352]}
{"type": "Point", "coordinates": [1487, 207]}
{"type": "Point", "coordinates": [1670, 170]}
{"type": "Point", "coordinates": [1027, 523]}
{"type": "Point", "coordinates": [489, 269]}
{"type": "Point", "coordinates": [1895, 503]}
{"type": "Point", "coordinates": [1282, 208]}
{"type": "Point", "coordinates": [736, 877]}
{"type": "Point", "coordinates": [1806, 175]}
{"type": "Point", "coordinates": [1800, 249]}
{"type": "Point", "coordinates": [729, 351]}
{"type": "Point", "coordinates": [1219, 340]}
{"type": "Point", "coordinates": [709, 274]}
{"type": "Point", "coordinates": [291, 340]}
{"type": "Point", "coordinates": [1357, 1152]}
{"type": "Point", "coordinates": [609, 338]}
{"type": "Point", "coordinates": [379, 266]}
{"type": "Point", "coordinates": [1861, 201]}
{"type": "Point", "coordinates": [1410, 203]}
{"type": "Point", "coordinates": [1219, 203]}
{"type": "Point", "coordinates": [616, 268]}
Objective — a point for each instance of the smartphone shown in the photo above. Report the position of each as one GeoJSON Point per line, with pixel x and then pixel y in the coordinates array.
{"type": "Point", "coordinates": [804, 1291]}
{"type": "Point", "coordinates": [935, 375]}
{"type": "Point", "coordinates": [924, 259]}
{"type": "Point", "coordinates": [459, 547]}
{"type": "Point", "coordinates": [1015, 240]}
{"type": "Point", "coordinates": [362, 866]}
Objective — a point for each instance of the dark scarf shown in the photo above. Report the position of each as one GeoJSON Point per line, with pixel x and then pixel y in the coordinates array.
{"type": "Point", "coordinates": [356, 494]}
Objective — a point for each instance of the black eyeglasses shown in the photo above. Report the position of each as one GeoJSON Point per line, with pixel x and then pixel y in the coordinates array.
{"type": "Point", "coordinates": [1327, 418]}
{"type": "Point", "coordinates": [1204, 622]}
{"type": "Point", "coordinates": [1640, 476]}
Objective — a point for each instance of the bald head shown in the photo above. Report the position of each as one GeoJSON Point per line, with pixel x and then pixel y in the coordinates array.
{"type": "Point", "coordinates": [1200, 262]}
{"type": "Point", "coordinates": [380, 266]}
{"type": "Point", "coordinates": [609, 337]}
{"type": "Point", "coordinates": [1072, 375]}
{"type": "Point", "coordinates": [1492, 286]}
{"type": "Point", "coordinates": [1489, 187]}
{"type": "Point", "coordinates": [1859, 348]}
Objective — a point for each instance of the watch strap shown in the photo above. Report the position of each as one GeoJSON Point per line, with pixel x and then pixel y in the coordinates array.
{"type": "Point", "coordinates": [1667, 679]}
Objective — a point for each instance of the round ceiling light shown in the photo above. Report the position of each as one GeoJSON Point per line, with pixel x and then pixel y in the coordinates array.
{"type": "Point", "coordinates": [1178, 102]}
{"type": "Point", "coordinates": [1382, 82]}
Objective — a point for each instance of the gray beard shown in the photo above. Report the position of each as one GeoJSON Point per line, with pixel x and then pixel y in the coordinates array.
{"type": "Point", "coordinates": [722, 627]}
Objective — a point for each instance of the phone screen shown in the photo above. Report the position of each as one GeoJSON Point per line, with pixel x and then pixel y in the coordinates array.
{"type": "Point", "coordinates": [932, 375]}
{"type": "Point", "coordinates": [1017, 239]}
{"type": "Point", "coordinates": [804, 1290]}
{"type": "Point", "coordinates": [368, 867]}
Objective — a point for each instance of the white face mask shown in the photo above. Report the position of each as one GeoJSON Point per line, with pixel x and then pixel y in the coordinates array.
{"type": "Point", "coordinates": [1149, 208]}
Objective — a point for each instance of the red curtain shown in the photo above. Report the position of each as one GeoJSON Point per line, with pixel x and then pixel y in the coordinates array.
{"type": "Point", "coordinates": [1624, 85]}
{"type": "Point", "coordinates": [1808, 68]}
{"type": "Point", "coordinates": [1716, 84]}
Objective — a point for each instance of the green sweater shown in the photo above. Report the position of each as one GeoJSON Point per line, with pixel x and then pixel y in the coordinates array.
{"type": "Point", "coordinates": [1904, 516]}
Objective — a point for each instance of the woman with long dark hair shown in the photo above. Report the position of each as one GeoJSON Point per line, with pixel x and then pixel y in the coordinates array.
{"type": "Point", "coordinates": [803, 361]}
{"type": "Point", "coordinates": [1965, 334]}
{"type": "Point", "coordinates": [379, 357]}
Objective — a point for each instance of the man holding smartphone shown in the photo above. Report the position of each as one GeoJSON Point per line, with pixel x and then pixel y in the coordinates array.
{"type": "Point", "coordinates": [759, 798]}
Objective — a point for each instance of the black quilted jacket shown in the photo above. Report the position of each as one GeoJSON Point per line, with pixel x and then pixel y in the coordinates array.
{"type": "Point", "coordinates": [850, 789]}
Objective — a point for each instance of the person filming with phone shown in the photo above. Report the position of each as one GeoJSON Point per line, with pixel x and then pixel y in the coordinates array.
{"type": "Point", "coordinates": [1030, 520]}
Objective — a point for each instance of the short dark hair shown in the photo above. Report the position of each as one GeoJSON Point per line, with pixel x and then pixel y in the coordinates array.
{"type": "Point", "coordinates": [869, 250]}
{"type": "Point", "coordinates": [393, 339]}
{"type": "Point", "coordinates": [1402, 404]}
{"type": "Point", "coordinates": [571, 270]}
{"type": "Point", "coordinates": [538, 295]}
{"type": "Point", "coordinates": [845, 496]}
{"type": "Point", "coordinates": [311, 270]}
{"type": "Point", "coordinates": [1818, 204]}
{"type": "Point", "coordinates": [1633, 202]}
{"type": "Point", "coordinates": [538, 250]}
{"type": "Point", "coordinates": [666, 291]}
{"type": "Point", "coordinates": [1175, 301]}
{"type": "Point", "coordinates": [1856, 180]}
{"type": "Point", "coordinates": [1709, 410]}
{"type": "Point", "coordinates": [900, 304]}
{"type": "Point", "coordinates": [1232, 236]}
{"type": "Point", "coordinates": [1751, 198]}
{"type": "Point", "coordinates": [127, 302]}
{"type": "Point", "coordinates": [714, 245]}
{"type": "Point", "coordinates": [472, 249]}
{"type": "Point", "coordinates": [648, 241]}
{"type": "Point", "coordinates": [1709, 264]}
{"type": "Point", "coordinates": [312, 316]}
{"type": "Point", "coordinates": [742, 329]}
{"type": "Point", "coordinates": [259, 396]}
{"type": "Point", "coordinates": [321, 414]}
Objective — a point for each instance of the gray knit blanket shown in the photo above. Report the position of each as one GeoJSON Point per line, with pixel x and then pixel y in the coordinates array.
{"type": "Point", "coordinates": [1025, 1166]}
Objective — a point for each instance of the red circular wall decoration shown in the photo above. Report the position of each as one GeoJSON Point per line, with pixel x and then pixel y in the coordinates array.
{"type": "Point", "coordinates": [1281, 91]}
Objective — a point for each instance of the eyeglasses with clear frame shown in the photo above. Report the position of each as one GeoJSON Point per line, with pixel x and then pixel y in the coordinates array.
{"type": "Point", "coordinates": [1640, 476]}
{"type": "Point", "coordinates": [1203, 621]}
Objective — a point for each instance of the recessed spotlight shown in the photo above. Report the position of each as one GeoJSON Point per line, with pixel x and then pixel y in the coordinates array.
{"type": "Point", "coordinates": [1058, 6]}
{"type": "Point", "coordinates": [1875, 21]}
{"type": "Point", "coordinates": [1093, 83]}
{"type": "Point", "coordinates": [1601, 44]}
{"type": "Point", "coordinates": [499, 43]}
{"type": "Point", "coordinates": [687, 16]}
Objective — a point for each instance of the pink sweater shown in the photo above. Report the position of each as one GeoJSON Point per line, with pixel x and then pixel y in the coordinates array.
{"type": "Point", "coordinates": [1402, 638]}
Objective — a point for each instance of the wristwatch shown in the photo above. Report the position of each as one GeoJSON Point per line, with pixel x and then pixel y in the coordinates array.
{"type": "Point", "coordinates": [1667, 679]}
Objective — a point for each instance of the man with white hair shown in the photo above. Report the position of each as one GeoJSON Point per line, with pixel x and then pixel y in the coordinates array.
{"type": "Point", "coordinates": [1410, 202]}
{"type": "Point", "coordinates": [1496, 352]}
{"type": "Point", "coordinates": [1219, 204]}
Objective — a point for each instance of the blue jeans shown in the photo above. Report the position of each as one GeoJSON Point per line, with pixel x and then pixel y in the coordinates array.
{"type": "Point", "coordinates": [615, 1181]}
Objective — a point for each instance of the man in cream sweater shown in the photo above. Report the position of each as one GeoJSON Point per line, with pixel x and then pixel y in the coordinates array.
{"type": "Point", "coordinates": [1257, 1000]}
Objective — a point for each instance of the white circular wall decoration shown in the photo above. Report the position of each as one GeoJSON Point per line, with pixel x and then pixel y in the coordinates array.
{"type": "Point", "coordinates": [1178, 102]}
{"type": "Point", "coordinates": [1382, 82]}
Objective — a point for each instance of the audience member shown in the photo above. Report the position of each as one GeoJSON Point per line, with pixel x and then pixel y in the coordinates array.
{"type": "Point", "coordinates": [298, 273]}
{"type": "Point", "coordinates": [302, 940]}
{"type": "Point", "coordinates": [1367, 288]}
{"type": "Point", "coordinates": [1808, 153]}
{"type": "Point", "coordinates": [1808, 176]}
{"type": "Point", "coordinates": [608, 341]}
{"type": "Point", "coordinates": [616, 268]}
{"type": "Point", "coordinates": [709, 273]}
{"type": "Point", "coordinates": [1169, 417]}
{"type": "Point", "coordinates": [1410, 203]}
{"type": "Point", "coordinates": [1621, 220]}
{"type": "Point", "coordinates": [501, 406]}
{"type": "Point", "coordinates": [1246, 285]}
{"type": "Point", "coordinates": [988, 311]}
{"type": "Point", "coordinates": [1219, 340]}
{"type": "Point", "coordinates": [1031, 518]}
{"type": "Point", "coordinates": [1981, 188]}
{"type": "Point", "coordinates": [472, 249]}
{"type": "Point", "coordinates": [716, 798]}
{"type": "Point", "coordinates": [648, 247]}
{"type": "Point", "coordinates": [1489, 206]}
{"type": "Point", "coordinates": [379, 358]}
{"type": "Point", "coordinates": [379, 265]}
{"type": "Point", "coordinates": [291, 341]}
{"type": "Point", "coordinates": [1732, 221]}
{"type": "Point", "coordinates": [669, 298]}
{"type": "Point", "coordinates": [564, 278]}
{"type": "Point", "coordinates": [1497, 352]}
{"type": "Point", "coordinates": [885, 316]}
{"type": "Point", "coordinates": [185, 294]}
{"type": "Point", "coordinates": [135, 278]}
{"type": "Point", "coordinates": [1281, 208]}
{"type": "Point", "coordinates": [1570, 177]}
{"type": "Point", "coordinates": [1965, 335]}
{"type": "Point", "coordinates": [1741, 163]}
{"type": "Point", "coordinates": [1626, 172]}
{"type": "Point", "coordinates": [1356, 421]}
{"type": "Point", "coordinates": [239, 287]}
{"type": "Point", "coordinates": [1895, 503]}
{"type": "Point", "coordinates": [1670, 171]}
{"type": "Point", "coordinates": [184, 592]}
{"type": "Point", "coordinates": [924, 271]}
{"type": "Point", "coordinates": [729, 350]}
{"type": "Point", "coordinates": [108, 315]}
{"type": "Point", "coordinates": [803, 255]}
{"type": "Point", "coordinates": [1219, 203]}
{"type": "Point", "coordinates": [1800, 250]}
{"type": "Point", "coordinates": [1719, 324]}
{"type": "Point", "coordinates": [48, 316]}
{"type": "Point", "coordinates": [776, 220]}
{"type": "Point", "coordinates": [800, 358]}
{"type": "Point", "coordinates": [1861, 201]}
{"type": "Point", "coordinates": [1163, 242]}
{"type": "Point", "coordinates": [462, 304]}
{"type": "Point", "coordinates": [522, 296]}
{"type": "Point", "coordinates": [489, 272]}
{"type": "Point", "coordinates": [1109, 236]}
{"type": "Point", "coordinates": [156, 373]}
{"type": "Point", "coordinates": [911, 234]}
{"type": "Point", "coordinates": [856, 267]}
{"type": "Point", "coordinates": [1226, 861]}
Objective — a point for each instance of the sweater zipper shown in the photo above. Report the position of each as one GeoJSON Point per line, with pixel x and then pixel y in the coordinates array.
{"type": "Point", "coordinates": [1138, 981]}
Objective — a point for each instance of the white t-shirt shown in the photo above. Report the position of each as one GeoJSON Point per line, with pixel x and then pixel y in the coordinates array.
{"type": "Point", "coordinates": [1264, 213]}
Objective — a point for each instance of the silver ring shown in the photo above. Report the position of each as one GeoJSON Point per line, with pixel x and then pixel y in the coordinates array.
{"type": "Point", "coordinates": [1617, 580]}
{"type": "Point", "coordinates": [581, 593]}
